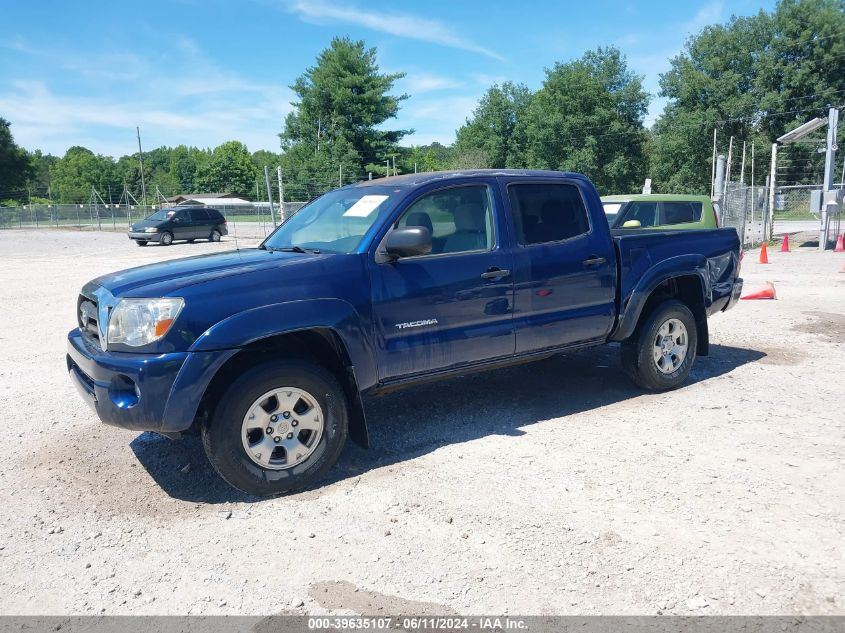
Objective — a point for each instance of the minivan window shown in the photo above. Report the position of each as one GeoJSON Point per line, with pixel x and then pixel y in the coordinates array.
{"type": "Point", "coordinates": [546, 212]}
{"type": "Point", "coordinates": [643, 212]}
{"type": "Point", "coordinates": [161, 214]}
{"type": "Point", "coordinates": [681, 212]}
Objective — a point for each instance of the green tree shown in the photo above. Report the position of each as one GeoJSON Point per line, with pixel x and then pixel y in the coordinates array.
{"type": "Point", "coordinates": [488, 137]}
{"type": "Point", "coordinates": [41, 164]}
{"type": "Point", "coordinates": [15, 167]}
{"type": "Point", "coordinates": [77, 171]}
{"type": "Point", "coordinates": [342, 102]}
{"type": "Point", "coordinates": [229, 169]}
{"type": "Point", "coordinates": [753, 78]}
{"type": "Point", "coordinates": [588, 117]}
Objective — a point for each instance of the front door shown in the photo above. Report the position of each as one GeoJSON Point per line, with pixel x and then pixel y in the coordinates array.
{"type": "Point", "coordinates": [451, 307]}
{"type": "Point", "coordinates": [181, 223]}
{"type": "Point", "coordinates": [564, 269]}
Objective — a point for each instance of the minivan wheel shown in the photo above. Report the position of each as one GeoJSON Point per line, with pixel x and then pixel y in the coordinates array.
{"type": "Point", "coordinates": [166, 238]}
{"type": "Point", "coordinates": [215, 236]}
{"type": "Point", "coordinates": [141, 242]}
{"type": "Point", "coordinates": [279, 427]}
{"type": "Point", "coordinates": [660, 355]}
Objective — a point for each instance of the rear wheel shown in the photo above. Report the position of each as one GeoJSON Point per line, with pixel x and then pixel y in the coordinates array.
{"type": "Point", "coordinates": [141, 242]}
{"type": "Point", "coordinates": [190, 241]}
{"type": "Point", "coordinates": [279, 427]}
{"type": "Point", "coordinates": [215, 236]}
{"type": "Point", "coordinates": [166, 238]}
{"type": "Point", "coordinates": [660, 354]}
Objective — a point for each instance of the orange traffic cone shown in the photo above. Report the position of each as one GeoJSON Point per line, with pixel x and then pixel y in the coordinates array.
{"type": "Point", "coordinates": [768, 293]}
{"type": "Point", "coordinates": [784, 247]}
{"type": "Point", "coordinates": [839, 245]}
{"type": "Point", "coordinates": [764, 255]}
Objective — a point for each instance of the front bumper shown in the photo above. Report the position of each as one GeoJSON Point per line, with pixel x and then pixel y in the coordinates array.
{"type": "Point", "coordinates": [142, 392]}
{"type": "Point", "coordinates": [148, 237]}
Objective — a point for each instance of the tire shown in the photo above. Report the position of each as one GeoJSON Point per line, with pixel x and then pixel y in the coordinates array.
{"type": "Point", "coordinates": [225, 434]}
{"type": "Point", "coordinates": [141, 242]}
{"type": "Point", "coordinates": [652, 361]}
{"type": "Point", "coordinates": [190, 241]}
{"type": "Point", "coordinates": [166, 238]}
{"type": "Point", "coordinates": [215, 236]}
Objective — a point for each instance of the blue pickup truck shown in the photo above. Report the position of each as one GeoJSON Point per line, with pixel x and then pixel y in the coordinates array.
{"type": "Point", "coordinates": [269, 353]}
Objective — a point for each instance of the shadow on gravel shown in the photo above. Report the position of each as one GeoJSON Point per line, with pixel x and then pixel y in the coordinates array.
{"type": "Point", "coordinates": [418, 420]}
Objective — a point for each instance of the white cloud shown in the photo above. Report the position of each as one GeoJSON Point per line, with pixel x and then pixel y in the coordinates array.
{"type": "Point", "coordinates": [710, 13]}
{"type": "Point", "coordinates": [401, 25]}
{"type": "Point", "coordinates": [420, 83]}
{"type": "Point", "coordinates": [194, 103]}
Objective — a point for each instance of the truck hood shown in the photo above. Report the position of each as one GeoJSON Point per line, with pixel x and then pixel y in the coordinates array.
{"type": "Point", "coordinates": [164, 278]}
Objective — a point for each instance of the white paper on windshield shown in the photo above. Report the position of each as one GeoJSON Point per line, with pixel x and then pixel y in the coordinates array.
{"type": "Point", "coordinates": [364, 207]}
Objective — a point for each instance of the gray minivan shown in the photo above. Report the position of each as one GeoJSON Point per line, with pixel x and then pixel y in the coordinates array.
{"type": "Point", "coordinates": [179, 223]}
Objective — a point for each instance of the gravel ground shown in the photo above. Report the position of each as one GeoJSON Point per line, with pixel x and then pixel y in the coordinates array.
{"type": "Point", "coordinates": [550, 488]}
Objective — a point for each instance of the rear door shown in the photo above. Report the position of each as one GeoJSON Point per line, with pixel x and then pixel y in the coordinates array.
{"type": "Point", "coordinates": [564, 268]}
{"type": "Point", "coordinates": [451, 307]}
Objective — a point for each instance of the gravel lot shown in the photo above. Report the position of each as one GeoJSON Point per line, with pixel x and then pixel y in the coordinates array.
{"type": "Point", "coordinates": [550, 488]}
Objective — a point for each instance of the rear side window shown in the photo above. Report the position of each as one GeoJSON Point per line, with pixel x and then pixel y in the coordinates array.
{"type": "Point", "coordinates": [199, 215]}
{"type": "Point", "coordinates": [681, 212]}
{"type": "Point", "coordinates": [547, 212]}
{"type": "Point", "coordinates": [214, 215]}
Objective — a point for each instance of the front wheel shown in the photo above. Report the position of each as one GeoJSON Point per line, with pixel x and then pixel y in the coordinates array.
{"type": "Point", "coordinates": [166, 239]}
{"type": "Point", "coordinates": [660, 354]}
{"type": "Point", "coordinates": [279, 427]}
{"type": "Point", "coordinates": [141, 242]}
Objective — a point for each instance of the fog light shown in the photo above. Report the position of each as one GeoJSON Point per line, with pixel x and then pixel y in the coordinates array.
{"type": "Point", "coordinates": [124, 392]}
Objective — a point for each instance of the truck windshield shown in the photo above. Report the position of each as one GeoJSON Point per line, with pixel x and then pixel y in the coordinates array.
{"type": "Point", "coordinates": [335, 222]}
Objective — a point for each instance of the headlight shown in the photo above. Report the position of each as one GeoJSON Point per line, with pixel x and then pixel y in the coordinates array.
{"type": "Point", "coordinates": [151, 229]}
{"type": "Point", "coordinates": [137, 322]}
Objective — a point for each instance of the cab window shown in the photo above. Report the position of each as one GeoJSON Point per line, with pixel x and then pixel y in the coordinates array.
{"type": "Point", "coordinates": [460, 219]}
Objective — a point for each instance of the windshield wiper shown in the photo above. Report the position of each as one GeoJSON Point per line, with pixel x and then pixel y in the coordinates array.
{"type": "Point", "coordinates": [297, 249]}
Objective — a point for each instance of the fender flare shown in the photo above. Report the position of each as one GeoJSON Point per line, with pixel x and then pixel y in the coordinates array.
{"type": "Point", "coordinates": [632, 304]}
{"type": "Point", "coordinates": [250, 326]}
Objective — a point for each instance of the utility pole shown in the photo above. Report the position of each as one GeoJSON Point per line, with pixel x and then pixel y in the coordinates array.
{"type": "Point", "coordinates": [753, 196]}
{"type": "Point", "coordinates": [719, 179]}
{"type": "Point", "coordinates": [141, 161]}
{"type": "Point", "coordinates": [394, 164]}
{"type": "Point", "coordinates": [281, 195]}
{"type": "Point", "coordinates": [769, 224]}
{"type": "Point", "coordinates": [742, 168]}
{"type": "Point", "coordinates": [388, 166]}
{"type": "Point", "coordinates": [269, 192]}
{"type": "Point", "coordinates": [829, 166]}
{"type": "Point", "coordinates": [340, 176]}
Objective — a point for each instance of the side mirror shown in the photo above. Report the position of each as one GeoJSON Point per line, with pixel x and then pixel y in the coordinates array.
{"type": "Point", "coordinates": [408, 241]}
{"type": "Point", "coordinates": [632, 224]}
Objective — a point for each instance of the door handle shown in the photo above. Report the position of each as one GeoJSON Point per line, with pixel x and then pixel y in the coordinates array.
{"type": "Point", "coordinates": [495, 273]}
{"type": "Point", "coordinates": [594, 261]}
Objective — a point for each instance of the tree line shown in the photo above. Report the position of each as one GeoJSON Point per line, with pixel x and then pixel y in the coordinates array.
{"type": "Point", "coordinates": [752, 77]}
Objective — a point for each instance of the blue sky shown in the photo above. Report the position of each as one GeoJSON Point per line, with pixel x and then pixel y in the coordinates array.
{"type": "Point", "coordinates": [200, 72]}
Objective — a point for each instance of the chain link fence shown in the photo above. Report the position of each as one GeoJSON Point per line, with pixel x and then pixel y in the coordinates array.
{"type": "Point", "coordinates": [748, 209]}
{"type": "Point", "coordinates": [250, 221]}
